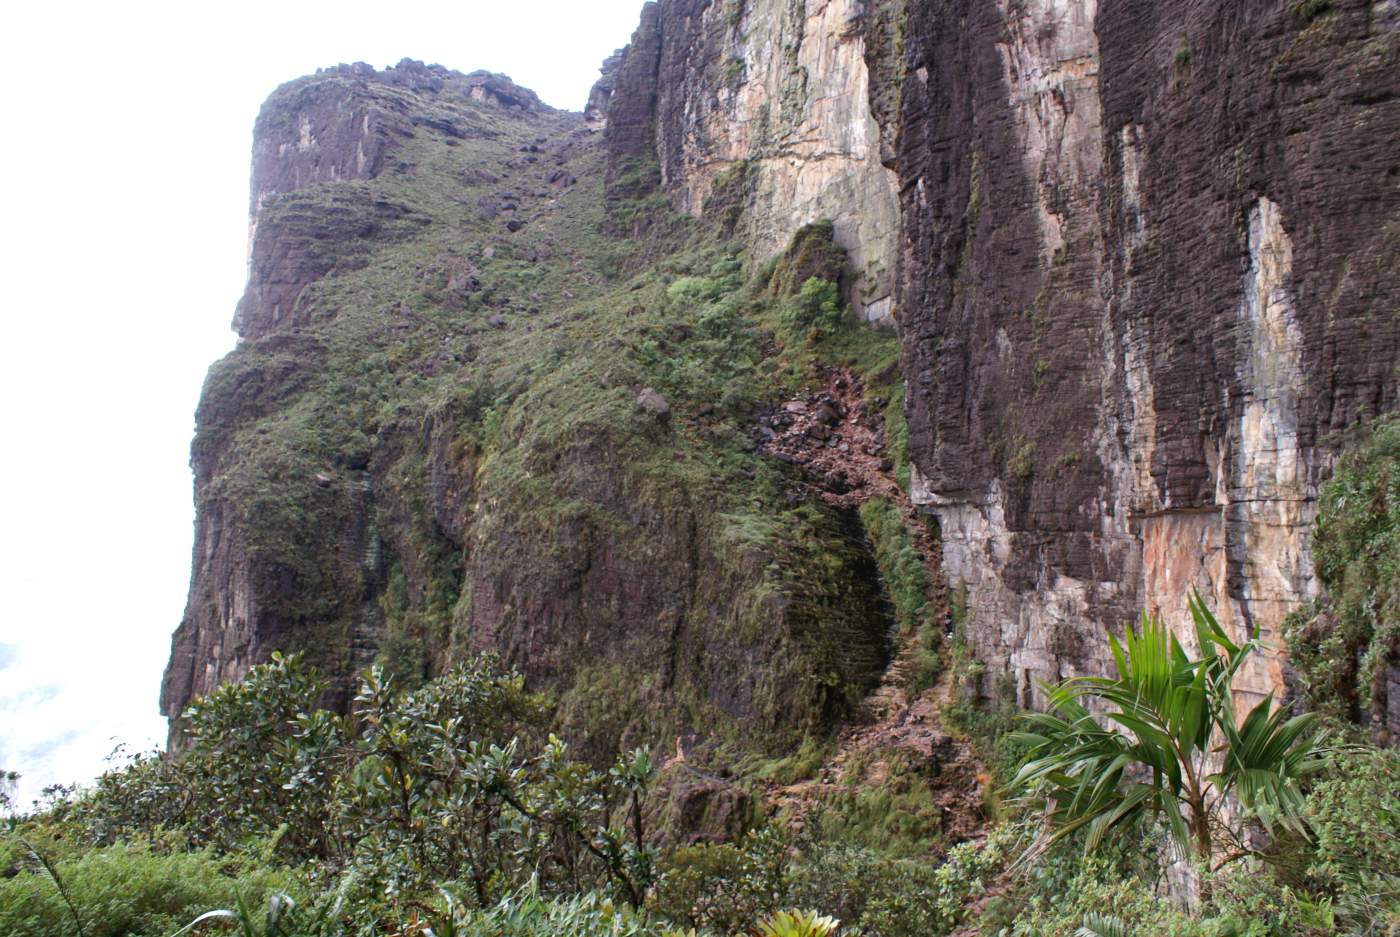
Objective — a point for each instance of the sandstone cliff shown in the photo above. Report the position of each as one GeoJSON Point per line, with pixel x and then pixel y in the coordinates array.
{"type": "Point", "coordinates": [1139, 257]}
{"type": "Point", "coordinates": [1144, 273]}
{"type": "Point", "coordinates": [780, 90]}
{"type": "Point", "coordinates": [1147, 272]}
{"type": "Point", "coordinates": [452, 425]}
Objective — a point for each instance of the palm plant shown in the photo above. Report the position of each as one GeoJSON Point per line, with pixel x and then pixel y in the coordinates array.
{"type": "Point", "coordinates": [1167, 743]}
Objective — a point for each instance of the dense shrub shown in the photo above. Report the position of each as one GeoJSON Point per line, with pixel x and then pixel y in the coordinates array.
{"type": "Point", "coordinates": [527, 913]}
{"type": "Point", "coordinates": [815, 311]}
{"type": "Point", "coordinates": [878, 896]}
{"type": "Point", "coordinates": [451, 781]}
{"type": "Point", "coordinates": [1344, 650]}
{"type": "Point", "coordinates": [724, 887]}
{"type": "Point", "coordinates": [1354, 814]}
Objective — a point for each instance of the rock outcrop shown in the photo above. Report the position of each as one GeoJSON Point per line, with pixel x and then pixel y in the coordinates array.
{"type": "Point", "coordinates": [775, 88]}
{"type": "Point", "coordinates": [1147, 269]}
{"type": "Point", "coordinates": [447, 428]}
{"type": "Point", "coordinates": [1140, 257]}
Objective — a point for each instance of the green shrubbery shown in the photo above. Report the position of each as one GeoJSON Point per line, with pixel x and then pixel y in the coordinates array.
{"type": "Point", "coordinates": [1344, 650]}
{"type": "Point", "coordinates": [815, 312]}
{"type": "Point", "coordinates": [724, 888]}
{"type": "Point", "coordinates": [126, 891]}
{"type": "Point", "coordinates": [447, 807]}
{"type": "Point", "coordinates": [450, 782]}
{"type": "Point", "coordinates": [1161, 737]}
{"type": "Point", "coordinates": [906, 579]}
{"type": "Point", "coordinates": [1354, 817]}
{"type": "Point", "coordinates": [528, 913]}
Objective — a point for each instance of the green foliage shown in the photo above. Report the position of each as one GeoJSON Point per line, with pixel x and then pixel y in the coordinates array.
{"type": "Point", "coordinates": [797, 924]}
{"type": "Point", "coordinates": [1343, 650]}
{"type": "Point", "coordinates": [8, 781]}
{"type": "Point", "coordinates": [896, 816]}
{"type": "Point", "coordinates": [1021, 465]}
{"type": "Point", "coordinates": [724, 277]}
{"type": "Point", "coordinates": [885, 897]}
{"type": "Point", "coordinates": [811, 254]}
{"type": "Point", "coordinates": [869, 892]}
{"type": "Point", "coordinates": [906, 579]}
{"type": "Point", "coordinates": [1098, 900]}
{"type": "Point", "coordinates": [128, 891]}
{"type": "Point", "coordinates": [726, 888]}
{"type": "Point", "coordinates": [801, 765]}
{"type": "Point", "coordinates": [901, 567]}
{"type": "Point", "coordinates": [528, 913]}
{"type": "Point", "coordinates": [448, 781]}
{"type": "Point", "coordinates": [1305, 11]}
{"type": "Point", "coordinates": [1354, 815]}
{"type": "Point", "coordinates": [281, 916]}
{"type": "Point", "coordinates": [261, 760]}
{"type": "Point", "coordinates": [1340, 881]}
{"type": "Point", "coordinates": [1167, 717]}
{"type": "Point", "coordinates": [990, 728]}
{"type": "Point", "coordinates": [404, 659]}
{"type": "Point", "coordinates": [815, 312]}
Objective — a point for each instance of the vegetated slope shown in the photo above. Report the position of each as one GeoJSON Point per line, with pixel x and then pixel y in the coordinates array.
{"type": "Point", "coordinates": [463, 416]}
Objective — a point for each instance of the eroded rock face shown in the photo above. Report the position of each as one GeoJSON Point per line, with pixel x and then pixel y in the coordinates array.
{"type": "Point", "coordinates": [441, 432]}
{"type": "Point", "coordinates": [779, 88]}
{"type": "Point", "coordinates": [1141, 258]}
{"type": "Point", "coordinates": [339, 126]}
{"type": "Point", "coordinates": [1144, 277]}
{"type": "Point", "coordinates": [306, 568]}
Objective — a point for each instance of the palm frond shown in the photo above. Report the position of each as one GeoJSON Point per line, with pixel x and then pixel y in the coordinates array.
{"type": "Point", "coordinates": [1145, 750]}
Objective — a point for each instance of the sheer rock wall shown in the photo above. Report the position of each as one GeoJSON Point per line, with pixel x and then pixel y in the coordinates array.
{"type": "Point", "coordinates": [1146, 275]}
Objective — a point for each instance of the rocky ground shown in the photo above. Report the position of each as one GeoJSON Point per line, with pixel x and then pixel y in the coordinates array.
{"type": "Point", "coordinates": [837, 435]}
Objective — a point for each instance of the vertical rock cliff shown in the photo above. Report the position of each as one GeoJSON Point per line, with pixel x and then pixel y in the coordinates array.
{"type": "Point", "coordinates": [1147, 271]}
{"type": "Point", "coordinates": [453, 424]}
{"type": "Point", "coordinates": [778, 90]}
{"type": "Point", "coordinates": [498, 387]}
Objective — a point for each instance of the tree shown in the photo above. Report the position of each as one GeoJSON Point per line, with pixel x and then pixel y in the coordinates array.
{"type": "Point", "coordinates": [1166, 742]}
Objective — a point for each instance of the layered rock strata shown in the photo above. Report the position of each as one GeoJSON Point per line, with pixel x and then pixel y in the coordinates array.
{"type": "Point", "coordinates": [1147, 273]}
{"type": "Point", "coordinates": [778, 90]}
{"type": "Point", "coordinates": [1141, 260]}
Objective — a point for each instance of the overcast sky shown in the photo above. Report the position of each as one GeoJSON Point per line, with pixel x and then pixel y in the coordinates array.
{"type": "Point", "coordinates": [124, 158]}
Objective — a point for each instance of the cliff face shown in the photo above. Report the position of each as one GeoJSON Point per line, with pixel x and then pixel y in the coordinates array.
{"type": "Point", "coordinates": [1145, 275]}
{"type": "Point", "coordinates": [780, 90]}
{"type": "Point", "coordinates": [450, 426]}
{"type": "Point", "coordinates": [1142, 274]}
{"type": "Point", "coordinates": [492, 395]}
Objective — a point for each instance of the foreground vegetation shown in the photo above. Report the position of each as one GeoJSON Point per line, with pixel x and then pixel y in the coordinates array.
{"type": "Point", "coordinates": [449, 810]}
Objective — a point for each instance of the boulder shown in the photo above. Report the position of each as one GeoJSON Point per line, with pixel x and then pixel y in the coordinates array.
{"type": "Point", "coordinates": [649, 401]}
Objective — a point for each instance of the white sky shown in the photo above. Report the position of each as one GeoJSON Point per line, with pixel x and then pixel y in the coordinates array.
{"type": "Point", "coordinates": [124, 156]}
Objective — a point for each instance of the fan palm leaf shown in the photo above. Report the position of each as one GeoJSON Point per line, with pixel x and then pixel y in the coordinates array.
{"type": "Point", "coordinates": [1159, 736]}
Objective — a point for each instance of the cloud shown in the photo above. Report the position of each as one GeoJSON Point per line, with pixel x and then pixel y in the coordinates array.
{"type": "Point", "coordinates": [45, 749]}
{"type": "Point", "coordinates": [29, 698]}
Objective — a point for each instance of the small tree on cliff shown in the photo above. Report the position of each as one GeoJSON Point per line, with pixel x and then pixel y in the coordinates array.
{"type": "Point", "coordinates": [1167, 743]}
